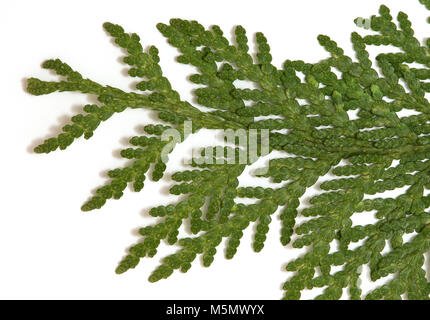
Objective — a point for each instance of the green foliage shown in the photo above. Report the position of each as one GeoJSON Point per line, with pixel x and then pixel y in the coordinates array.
{"type": "Point", "coordinates": [368, 155]}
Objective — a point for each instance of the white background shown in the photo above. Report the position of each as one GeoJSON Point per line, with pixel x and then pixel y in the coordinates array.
{"type": "Point", "coordinates": [48, 247]}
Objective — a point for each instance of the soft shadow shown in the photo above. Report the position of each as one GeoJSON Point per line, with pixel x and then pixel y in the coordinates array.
{"type": "Point", "coordinates": [54, 130]}
{"type": "Point", "coordinates": [427, 266]}
{"type": "Point", "coordinates": [24, 85]}
{"type": "Point", "coordinates": [233, 36]}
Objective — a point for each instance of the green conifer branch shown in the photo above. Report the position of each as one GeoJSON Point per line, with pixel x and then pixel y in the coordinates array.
{"type": "Point", "coordinates": [376, 152]}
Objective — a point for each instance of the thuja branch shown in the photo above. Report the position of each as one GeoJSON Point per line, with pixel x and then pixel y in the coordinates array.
{"type": "Point", "coordinates": [309, 120]}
